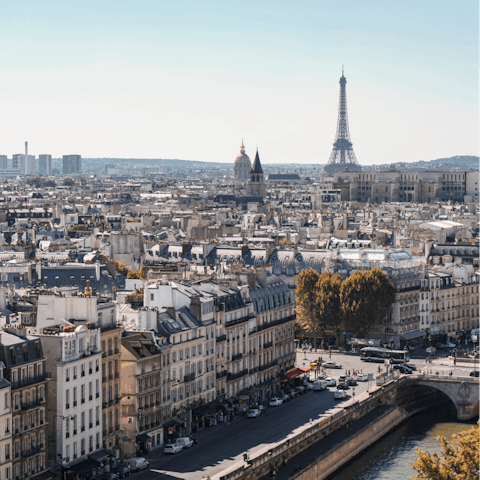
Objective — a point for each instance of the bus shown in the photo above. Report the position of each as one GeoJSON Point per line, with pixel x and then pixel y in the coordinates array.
{"type": "Point", "coordinates": [372, 354]}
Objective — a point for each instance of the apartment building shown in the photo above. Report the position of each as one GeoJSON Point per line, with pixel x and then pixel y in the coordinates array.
{"type": "Point", "coordinates": [145, 376]}
{"type": "Point", "coordinates": [94, 312]}
{"type": "Point", "coordinates": [74, 410]}
{"type": "Point", "coordinates": [24, 363]}
{"type": "Point", "coordinates": [6, 464]}
{"type": "Point", "coordinates": [449, 305]}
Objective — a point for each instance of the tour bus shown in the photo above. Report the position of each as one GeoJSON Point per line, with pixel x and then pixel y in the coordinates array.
{"type": "Point", "coordinates": [373, 354]}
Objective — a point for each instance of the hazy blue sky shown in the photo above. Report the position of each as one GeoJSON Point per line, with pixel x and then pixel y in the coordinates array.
{"type": "Point", "coordinates": [189, 79]}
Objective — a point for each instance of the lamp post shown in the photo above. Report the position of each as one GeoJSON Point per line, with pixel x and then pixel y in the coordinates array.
{"type": "Point", "coordinates": [305, 351]}
{"type": "Point", "coordinates": [353, 388]}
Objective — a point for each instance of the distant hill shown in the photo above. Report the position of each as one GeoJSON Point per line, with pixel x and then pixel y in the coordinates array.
{"type": "Point", "coordinates": [462, 162]}
{"type": "Point", "coordinates": [466, 162]}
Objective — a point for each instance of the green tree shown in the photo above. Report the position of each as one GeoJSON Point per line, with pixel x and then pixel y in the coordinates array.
{"type": "Point", "coordinates": [68, 182]}
{"type": "Point", "coordinates": [458, 459]}
{"type": "Point", "coordinates": [328, 301]}
{"type": "Point", "coordinates": [366, 297]}
{"type": "Point", "coordinates": [307, 308]}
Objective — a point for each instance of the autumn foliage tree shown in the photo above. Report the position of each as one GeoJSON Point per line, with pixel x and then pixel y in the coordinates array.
{"type": "Point", "coordinates": [357, 303]}
{"type": "Point", "coordinates": [458, 459]}
{"type": "Point", "coordinates": [307, 308]}
{"type": "Point", "coordinates": [328, 301]}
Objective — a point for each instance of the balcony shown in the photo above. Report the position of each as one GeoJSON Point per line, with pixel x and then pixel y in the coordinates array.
{"type": "Point", "coordinates": [239, 320]}
{"type": "Point", "coordinates": [189, 378]}
{"type": "Point", "coordinates": [262, 368]}
{"type": "Point", "coordinates": [30, 405]}
{"type": "Point", "coordinates": [234, 376]}
{"type": "Point", "coordinates": [221, 338]}
{"type": "Point", "coordinates": [268, 345]}
{"type": "Point", "coordinates": [237, 356]}
{"type": "Point", "coordinates": [222, 374]}
{"type": "Point", "coordinates": [28, 381]}
{"type": "Point", "coordinates": [32, 452]}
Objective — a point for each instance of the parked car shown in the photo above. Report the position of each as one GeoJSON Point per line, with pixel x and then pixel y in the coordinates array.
{"type": "Point", "coordinates": [260, 408]}
{"type": "Point", "coordinates": [474, 373]}
{"type": "Point", "coordinates": [253, 413]}
{"type": "Point", "coordinates": [285, 397]}
{"type": "Point", "coordinates": [331, 382]}
{"type": "Point", "coordinates": [123, 471]}
{"type": "Point", "coordinates": [172, 448]}
{"type": "Point", "coordinates": [301, 390]}
{"type": "Point", "coordinates": [340, 395]}
{"type": "Point", "coordinates": [138, 463]}
{"type": "Point", "coordinates": [185, 442]}
{"type": "Point", "coordinates": [343, 386]}
{"type": "Point", "coordinates": [362, 377]}
{"type": "Point", "coordinates": [411, 366]}
{"type": "Point", "coordinates": [275, 402]}
{"type": "Point", "coordinates": [351, 382]}
{"type": "Point", "coordinates": [319, 385]}
{"type": "Point", "coordinates": [332, 365]}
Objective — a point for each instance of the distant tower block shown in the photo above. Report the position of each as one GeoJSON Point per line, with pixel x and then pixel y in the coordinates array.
{"type": "Point", "coordinates": [342, 155]}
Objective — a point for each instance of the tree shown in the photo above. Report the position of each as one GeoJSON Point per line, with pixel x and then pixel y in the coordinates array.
{"type": "Point", "coordinates": [383, 294]}
{"type": "Point", "coordinates": [366, 297]}
{"type": "Point", "coordinates": [458, 459]}
{"type": "Point", "coordinates": [307, 309]}
{"type": "Point", "coordinates": [328, 301]}
{"type": "Point", "coordinates": [68, 182]}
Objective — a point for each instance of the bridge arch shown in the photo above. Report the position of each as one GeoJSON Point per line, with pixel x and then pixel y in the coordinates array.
{"type": "Point", "coordinates": [462, 392]}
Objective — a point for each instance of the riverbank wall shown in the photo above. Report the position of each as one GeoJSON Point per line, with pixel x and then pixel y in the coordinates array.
{"type": "Point", "coordinates": [334, 459]}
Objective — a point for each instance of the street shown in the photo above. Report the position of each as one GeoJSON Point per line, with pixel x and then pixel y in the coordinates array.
{"type": "Point", "coordinates": [222, 446]}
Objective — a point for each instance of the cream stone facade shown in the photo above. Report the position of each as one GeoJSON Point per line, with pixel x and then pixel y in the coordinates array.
{"type": "Point", "coordinates": [6, 419]}
{"type": "Point", "coordinates": [74, 406]}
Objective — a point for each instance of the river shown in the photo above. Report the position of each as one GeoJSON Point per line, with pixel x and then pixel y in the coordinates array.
{"type": "Point", "coordinates": [390, 458]}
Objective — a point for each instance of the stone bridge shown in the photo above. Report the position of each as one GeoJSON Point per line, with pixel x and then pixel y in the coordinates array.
{"type": "Point", "coordinates": [462, 391]}
{"type": "Point", "coordinates": [410, 394]}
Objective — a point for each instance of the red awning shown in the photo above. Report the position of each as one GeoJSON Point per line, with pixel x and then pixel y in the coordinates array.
{"type": "Point", "coordinates": [296, 372]}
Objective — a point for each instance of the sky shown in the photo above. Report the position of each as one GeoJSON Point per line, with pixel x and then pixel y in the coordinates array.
{"type": "Point", "coordinates": [191, 79]}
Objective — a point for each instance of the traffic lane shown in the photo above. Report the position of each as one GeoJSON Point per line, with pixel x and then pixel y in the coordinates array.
{"type": "Point", "coordinates": [251, 435]}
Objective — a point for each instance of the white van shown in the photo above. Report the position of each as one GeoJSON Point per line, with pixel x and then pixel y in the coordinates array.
{"type": "Point", "coordinates": [137, 463]}
{"type": "Point", "coordinates": [319, 385]}
{"type": "Point", "coordinates": [185, 442]}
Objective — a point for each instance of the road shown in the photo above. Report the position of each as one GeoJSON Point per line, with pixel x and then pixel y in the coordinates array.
{"type": "Point", "coordinates": [220, 447]}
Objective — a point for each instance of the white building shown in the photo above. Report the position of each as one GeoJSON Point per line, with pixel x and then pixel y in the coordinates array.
{"type": "Point", "coordinates": [5, 427]}
{"type": "Point", "coordinates": [74, 401]}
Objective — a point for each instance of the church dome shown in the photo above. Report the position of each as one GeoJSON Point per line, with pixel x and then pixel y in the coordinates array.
{"type": "Point", "coordinates": [242, 165]}
{"type": "Point", "coordinates": [242, 160]}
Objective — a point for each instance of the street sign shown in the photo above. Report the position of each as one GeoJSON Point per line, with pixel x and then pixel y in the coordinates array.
{"type": "Point", "coordinates": [170, 430]}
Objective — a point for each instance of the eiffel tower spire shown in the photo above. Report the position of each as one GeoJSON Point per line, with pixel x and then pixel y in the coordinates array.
{"type": "Point", "coordinates": [342, 153]}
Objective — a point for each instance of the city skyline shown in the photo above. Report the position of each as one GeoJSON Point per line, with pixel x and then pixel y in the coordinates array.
{"type": "Point", "coordinates": [190, 80]}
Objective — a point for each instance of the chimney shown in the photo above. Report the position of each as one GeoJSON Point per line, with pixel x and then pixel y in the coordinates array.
{"type": "Point", "coordinates": [196, 308]}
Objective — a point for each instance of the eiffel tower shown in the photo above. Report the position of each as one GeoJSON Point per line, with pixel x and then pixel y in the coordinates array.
{"type": "Point", "coordinates": [342, 156]}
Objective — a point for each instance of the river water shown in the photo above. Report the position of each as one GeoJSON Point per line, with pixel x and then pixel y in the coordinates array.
{"type": "Point", "coordinates": [390, 458]}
